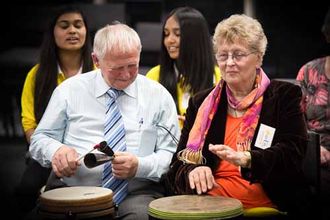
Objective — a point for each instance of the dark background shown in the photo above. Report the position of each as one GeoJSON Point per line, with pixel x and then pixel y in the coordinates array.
{"type": "Point", "coordinates": [293, 29]}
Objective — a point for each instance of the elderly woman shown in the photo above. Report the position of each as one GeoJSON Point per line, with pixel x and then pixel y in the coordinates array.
{"type": "Point", "coordinates": [245, 138]}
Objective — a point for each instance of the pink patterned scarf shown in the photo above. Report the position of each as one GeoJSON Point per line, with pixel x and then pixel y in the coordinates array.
{"type": "Point", "coordinates": [252, 103]}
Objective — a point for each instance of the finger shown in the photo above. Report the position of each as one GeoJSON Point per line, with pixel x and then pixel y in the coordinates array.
{"type": "Point", "coordinates": [210, 181]}
{"type": "Point", "coordinates": [72, 161]}
{"type": "Point", "coordinates": [56, 171]}
{"type": "Point", "coordinates": [191, 181]}
{"type": "Point", "coordinates": [203, 181]}
{"type": "Point", "coordinates": [197, 184]}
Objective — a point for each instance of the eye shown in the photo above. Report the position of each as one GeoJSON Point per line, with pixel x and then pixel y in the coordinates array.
{"type": "Point", "coordinates": [79, 24]}
{"type": "Point", "coordinates": [222, 56]}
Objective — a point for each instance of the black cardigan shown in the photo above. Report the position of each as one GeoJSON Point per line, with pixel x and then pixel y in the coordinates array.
{"type": "Point", "coordinates": [278, 168]}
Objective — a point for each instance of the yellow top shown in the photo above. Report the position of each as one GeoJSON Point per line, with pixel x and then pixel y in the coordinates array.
{"type": "Point", "coordinates": [27, 99]}
{"type": "Point", "coordinates": [182, 95]}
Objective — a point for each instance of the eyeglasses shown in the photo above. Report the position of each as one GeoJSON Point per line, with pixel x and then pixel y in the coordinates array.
{"type": "Point", "coordinates": [237, 56]}
{"type": "Point", "coordinates": [130, 68]}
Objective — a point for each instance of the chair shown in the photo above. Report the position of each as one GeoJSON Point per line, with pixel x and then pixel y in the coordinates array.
{"type": "Point", "coordinates": [264, 213]}
{"type": "Point", "coordinates": [311, 163]}
{"type": "Point", "coordinates": [311, 170]}
{"type": "Point", "coordinates": [151, 35]}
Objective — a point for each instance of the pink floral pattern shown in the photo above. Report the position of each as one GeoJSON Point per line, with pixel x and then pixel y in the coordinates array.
{"type": "Point", "coordinates": [315, 102]}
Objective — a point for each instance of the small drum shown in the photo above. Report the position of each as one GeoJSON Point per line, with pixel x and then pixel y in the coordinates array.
{"type": "Point", "coordinates": [77, 202]}
{"type": "Point", "coordinates": [195, 207]}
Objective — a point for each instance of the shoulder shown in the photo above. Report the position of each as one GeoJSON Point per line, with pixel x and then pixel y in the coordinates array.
{"type": "Point", "coordinates": [312, 68]}
{"type": "Point", "coordinates": [153, 73]}
{"type": "Point", "coordinates": [283, 90]}
{"type": "Point", "coordinates": [32, 73]}
{"type": "Point", "coordinates": [146, 81]}
{"type": "Point", "coordinates": [315, 63]}
{"type": "Point", "coordinates": [148, 86]}
{"type": "Point", "coordinates": [78, 81]}
{"type": "Point", "coordinates": [199, 97]}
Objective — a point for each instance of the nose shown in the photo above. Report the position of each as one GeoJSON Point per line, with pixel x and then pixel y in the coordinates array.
{"type": "Point", "coordinates": [230, 60]}
{"type": "Point", "coordinates": [171, 38]}
{"type": "Point", "coordinates": [72, 29]}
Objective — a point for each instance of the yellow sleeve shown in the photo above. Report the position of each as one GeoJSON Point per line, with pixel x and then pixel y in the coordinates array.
{"type": "Point", "coordinates": [217, 74]}
{"type": "Point", "coordinates": [153, 73]}
{"type": "Point", "coordinates": [27, 100]}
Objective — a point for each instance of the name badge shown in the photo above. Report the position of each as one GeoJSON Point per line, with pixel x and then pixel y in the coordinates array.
{"type": "Point", "coordinates": [265, 136]}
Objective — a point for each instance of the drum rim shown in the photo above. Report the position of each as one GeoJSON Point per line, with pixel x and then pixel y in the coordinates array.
{"type": "Point", "coordinates": [184, 214]}
{"type": "Point", "coordinates": [44, 198]}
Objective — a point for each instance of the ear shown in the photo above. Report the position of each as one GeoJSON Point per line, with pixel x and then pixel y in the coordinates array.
{"type": "Point", "coordinates": [259, 62]}
{"type": "Point", "coordinates": [95, 60]}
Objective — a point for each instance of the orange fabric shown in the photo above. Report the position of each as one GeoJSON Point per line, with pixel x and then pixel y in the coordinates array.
{"type": "Point", "coordinates": [231, 183]}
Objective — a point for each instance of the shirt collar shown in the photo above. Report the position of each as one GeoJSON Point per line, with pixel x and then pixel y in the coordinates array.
{"type": "Point", "coordinates": [101, 87]}
{"type": "Point", "coordinates": [59, 70]}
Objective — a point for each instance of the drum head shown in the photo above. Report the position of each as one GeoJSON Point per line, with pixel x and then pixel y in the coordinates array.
{"type": "Point", "coordinates": [78, 200]}
{"type": "Point", "coordinates": [195, 207]}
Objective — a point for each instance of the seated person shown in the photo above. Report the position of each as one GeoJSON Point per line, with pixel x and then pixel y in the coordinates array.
{"type": "Point", "coordinates": [112, 103]}
{"type": "Point", "coordinates": [245, 138]}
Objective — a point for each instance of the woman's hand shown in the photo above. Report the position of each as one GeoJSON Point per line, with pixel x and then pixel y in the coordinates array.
{"type": "Point", "coordinates": [201, 179]}
{"type": "Point", "coordinates": [325, 155]}
{"type": "Point", "coordinates": [225, 152]}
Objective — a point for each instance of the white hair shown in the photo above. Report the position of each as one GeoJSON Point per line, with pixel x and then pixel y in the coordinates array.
{"type": "Point", "coordinates": [119, 37]}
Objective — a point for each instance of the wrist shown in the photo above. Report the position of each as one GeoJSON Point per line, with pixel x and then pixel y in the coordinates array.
{"type": "Point", "coordinates": [246, 160]}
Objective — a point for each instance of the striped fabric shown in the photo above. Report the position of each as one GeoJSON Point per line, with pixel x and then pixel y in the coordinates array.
{"type": "Point", "coordinates": [114, 134]}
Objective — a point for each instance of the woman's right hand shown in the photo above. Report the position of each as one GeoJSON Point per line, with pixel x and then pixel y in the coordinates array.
{"type": "Point", "coordinates": [201, 179]}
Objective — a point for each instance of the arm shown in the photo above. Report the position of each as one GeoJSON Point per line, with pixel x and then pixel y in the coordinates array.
{"type": "Point", "coordinates": [47, 138]}
{"type": "Point", "coordinates": [27, 104]}
{"type": "Point", "coordinates": [154, 165]}
{"type": "Point", "coordinates": [283, 159]}
{"type": "Point", "coordinates": [176, 180]}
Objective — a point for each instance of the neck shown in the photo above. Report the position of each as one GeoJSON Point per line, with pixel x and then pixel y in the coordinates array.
{"type": "Point", "coordinates": [240, 93]}
{"type": "Point", "coordinates": [70, 62]}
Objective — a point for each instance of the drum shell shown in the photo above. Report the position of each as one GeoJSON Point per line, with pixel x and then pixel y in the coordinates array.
{"type": "Point", "coordinates": [76, 203]}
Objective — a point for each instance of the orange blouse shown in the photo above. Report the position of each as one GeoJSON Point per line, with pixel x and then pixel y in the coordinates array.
{"type": "Point", "coordinates": [229, 179]}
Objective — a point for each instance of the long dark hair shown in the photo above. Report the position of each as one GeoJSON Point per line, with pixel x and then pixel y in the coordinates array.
{"type": "Point", "coordinates": [195, 62]}
{"type": "Point", "coordinates": [46, 76]}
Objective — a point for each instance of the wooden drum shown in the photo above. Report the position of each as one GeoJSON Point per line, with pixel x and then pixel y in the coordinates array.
{"type": "Point", "coordinates": [195, 207]}
{"type": "Point", "coordinates": [77, 202]}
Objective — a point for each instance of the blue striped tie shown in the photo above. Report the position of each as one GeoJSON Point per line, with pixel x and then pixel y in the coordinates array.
{"type": "Point", "coordinates": [114, 133]}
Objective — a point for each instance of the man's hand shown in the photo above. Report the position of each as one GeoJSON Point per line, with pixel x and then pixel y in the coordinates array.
{"type": "Point", "coordinates": [124, 165]}
{"type": "Point", "coordinates": [64, 161]}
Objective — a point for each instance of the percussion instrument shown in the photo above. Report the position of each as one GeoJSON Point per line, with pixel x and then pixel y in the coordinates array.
{"type": "Point", "coordinates": [77, 202]}
{"type": "Point", "coordinates": [195, 207]}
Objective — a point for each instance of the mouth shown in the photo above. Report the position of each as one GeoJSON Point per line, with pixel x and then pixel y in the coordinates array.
{"type": "Point", "coordinates": [172, 49]}
{"type": "Point", "coordinates": [72, 39]}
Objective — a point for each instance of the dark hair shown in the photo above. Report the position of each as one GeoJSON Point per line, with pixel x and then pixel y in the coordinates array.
{"type": "Point", "coordinates": [46, 76]}
{"type": "Point", "coordinates": [326, 26]}
{"type": "Point", "coordinates": [195, 62]}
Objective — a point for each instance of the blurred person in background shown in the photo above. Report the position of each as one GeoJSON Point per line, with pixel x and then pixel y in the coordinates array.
{"type": "Point", "coordinates": [65, 52]}
{"type": "Point", "coordinates": [314, 78]}
{"type": "Point", "coordinates": [186, 62]}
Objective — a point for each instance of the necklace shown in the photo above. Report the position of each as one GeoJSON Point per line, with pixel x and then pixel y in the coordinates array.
{"type": "Point", "coordinates": [236, 113]}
